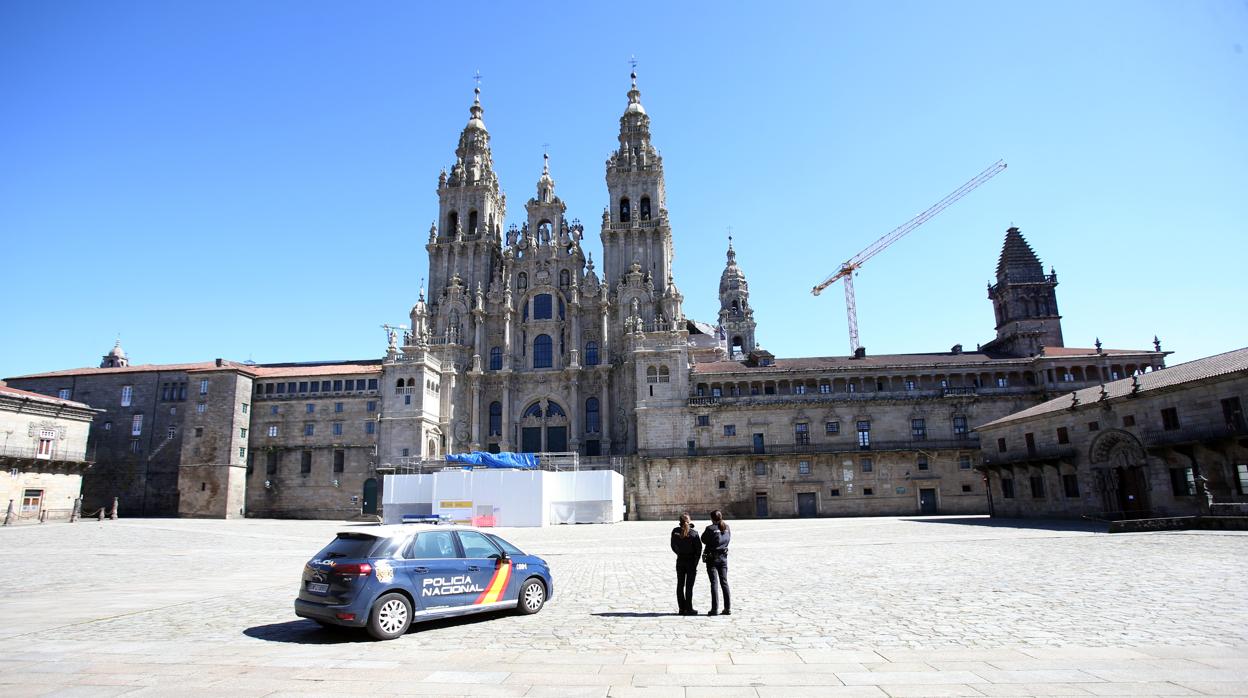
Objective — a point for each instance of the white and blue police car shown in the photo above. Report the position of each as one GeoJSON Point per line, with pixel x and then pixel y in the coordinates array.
{"type": "Point", "coordinates": [385, 578]}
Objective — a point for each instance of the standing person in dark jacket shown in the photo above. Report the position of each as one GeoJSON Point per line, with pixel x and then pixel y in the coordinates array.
{"type": "Point", "coordinates": [688, 548]}
{"type": "Point", "coordinates": [716, 538]}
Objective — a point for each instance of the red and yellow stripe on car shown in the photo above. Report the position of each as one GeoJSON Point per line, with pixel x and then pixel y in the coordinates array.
{"type": "Point", "coordinates": [498, 584]}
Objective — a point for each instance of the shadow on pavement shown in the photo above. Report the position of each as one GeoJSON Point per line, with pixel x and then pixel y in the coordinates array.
{"type": "Point", "coordinates": [633, 614]}
{"type": "Point", "coordinates": [307, 632]}
{"type": "Point", "coordinates": [1036, 524]}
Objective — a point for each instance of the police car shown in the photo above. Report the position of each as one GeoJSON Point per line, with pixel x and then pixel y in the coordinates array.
{"type": "Point", "coordinates": [387, 577]}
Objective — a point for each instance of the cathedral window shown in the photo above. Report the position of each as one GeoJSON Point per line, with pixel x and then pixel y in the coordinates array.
{"type": "Point", "coordinates": [561, 310]}
{"type": "Point", "coordinates": [645, 208]}
{"type": "Point", "coordinates": [565, 278]}
{"type": "Point", "coordinates": [591, 353]}
{"type": "Point", "coordinates": [452, 222]}
{"type": "Point", "coordinates": [652, 374]}
{"type": "Point", "coordinates": [542, 306]}
{"type": "Point", "coordinates": [542, 351]}
{"type": "Point", "coordinates": [522, 281]}
{"type": "Point", "coordinates": [799, 389]}
{"type": "Point", "coordinates": [554, 410]}
{"type": "Point", "coordinates": [625, 212]}
{"type": "Point", "coordinates": [592, 421]}
{"type": "Point", "coordinates": [496, 358]}
{"type": "Point", "coordinates": [472, 221]}
{"type": "Point", "coordinates": [665, 375]}
{"type": "Point", "coordinates": [411, 382]}
{"type": "Point", "coordinates": [535, 410]}
{"type": "Point", "coordinates": [496, 418]}
{"type": "Point", "coordinates": [825, 388]}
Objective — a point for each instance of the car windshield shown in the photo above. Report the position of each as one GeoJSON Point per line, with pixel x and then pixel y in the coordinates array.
{"type": "Point", "coordinates": [511, 549]}
{"type": "Point", "coordinates": [349, 545]}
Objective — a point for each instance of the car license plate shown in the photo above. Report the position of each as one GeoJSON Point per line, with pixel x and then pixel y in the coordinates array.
{"type": "Point", "coordinates": [317, 588]}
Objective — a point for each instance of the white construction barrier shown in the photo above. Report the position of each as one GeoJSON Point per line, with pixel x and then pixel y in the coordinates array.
{"type": "Point", "coordinates": [488, 497]}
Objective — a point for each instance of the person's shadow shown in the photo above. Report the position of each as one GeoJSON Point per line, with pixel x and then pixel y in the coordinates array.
{"type": "Point", "coordinates": [633, 614]}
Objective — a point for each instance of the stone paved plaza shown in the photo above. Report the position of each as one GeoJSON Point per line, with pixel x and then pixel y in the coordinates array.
{"type": "Point", "coordinates": [827, 607]}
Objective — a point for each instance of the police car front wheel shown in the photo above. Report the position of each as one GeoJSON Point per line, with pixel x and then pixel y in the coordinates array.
{"type": "Point", "coordinates": [390, 617]}
{"type": "Point", "coordinates": [532, 597]}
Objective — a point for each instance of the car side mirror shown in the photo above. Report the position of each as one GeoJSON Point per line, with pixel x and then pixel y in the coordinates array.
{"type": "Point", "coordinates": [501, 560]}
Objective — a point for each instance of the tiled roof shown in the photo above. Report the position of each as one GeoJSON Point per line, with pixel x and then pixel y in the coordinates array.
{"type": "Point", "coordinates": [141, 368]}
{"type": "Point", "coordinates": [1201, 369]}
{"type": "Point", "coordinates": [37, 397]}
{"type": "Point", "coordinates": [1080, 351]}
{"type": "Point", "coordinates": [350, 368]}
{"type": "Point", "coordinates": [885, 361]}
{"type": "Point", "coordinates": [257, 370]}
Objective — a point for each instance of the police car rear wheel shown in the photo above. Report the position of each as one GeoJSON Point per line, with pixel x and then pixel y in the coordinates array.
{"type": "Point", "coordinates": [532, 597]}
{"type": "Point", "coordinates": [390, 618]}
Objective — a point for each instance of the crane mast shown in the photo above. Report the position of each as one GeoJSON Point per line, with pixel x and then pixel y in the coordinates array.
{"type": "Point", "coordinates": [851, 265]}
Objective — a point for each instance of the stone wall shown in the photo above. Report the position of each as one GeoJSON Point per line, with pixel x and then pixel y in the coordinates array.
{"type": "Point", "coordinates": [1123, 456]}
{"type": "Point", "coordinates": [279, 486]}
{"type": "Point", "coordinates": [140, 470]}
{"type": "Point", "coordinates": [214, 451]}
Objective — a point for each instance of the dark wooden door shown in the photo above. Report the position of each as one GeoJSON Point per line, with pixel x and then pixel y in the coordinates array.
{"type": "Point", "coordinates": [531, 439]}
{"type": "Point", "coordinates": [369, 504]}
{"type": "Point", "coordinates": [927, 501]}
{"type": "Point", "coordinates": [806, 504]}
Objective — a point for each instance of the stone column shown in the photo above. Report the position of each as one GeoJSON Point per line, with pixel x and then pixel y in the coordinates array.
{"type": "Point", "coordinates": [574, 427]}
{"type": "Point", "coordinates": [504, 443]}
{"type": "Point", "coordinates": [475, 418]}
{"type": "Point", "coordinates": [604, 418]}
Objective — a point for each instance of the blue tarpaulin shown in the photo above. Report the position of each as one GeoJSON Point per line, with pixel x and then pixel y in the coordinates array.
{"type": "Point", "coordinates": [481, 459]}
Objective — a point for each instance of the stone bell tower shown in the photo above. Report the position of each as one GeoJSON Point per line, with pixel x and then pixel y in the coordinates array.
{"type": "Point", "coordinates": [736, 316]}
{"type": "Point", "coordinates": [1024, 300]}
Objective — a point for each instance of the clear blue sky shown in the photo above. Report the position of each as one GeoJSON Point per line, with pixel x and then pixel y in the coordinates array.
{"type": "Point", "coordinates": [257, 180]}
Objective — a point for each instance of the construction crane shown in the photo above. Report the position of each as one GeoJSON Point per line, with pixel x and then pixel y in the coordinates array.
{"type": "Point", "coordinates": [850, 266]}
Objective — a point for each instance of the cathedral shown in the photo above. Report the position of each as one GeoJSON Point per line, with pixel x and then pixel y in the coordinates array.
{"type": "Point", "coordinates": [525, 344]}
{"type": "Point", "coordinates": [519, 344]}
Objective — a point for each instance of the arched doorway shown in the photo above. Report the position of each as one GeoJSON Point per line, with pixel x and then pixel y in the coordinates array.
{"type": "Point", "coordinates": [369, 503]}
{"type": "Point", "coordinates": [544, 428]}
{"type": "Point", "coordinates": [1122, 468]}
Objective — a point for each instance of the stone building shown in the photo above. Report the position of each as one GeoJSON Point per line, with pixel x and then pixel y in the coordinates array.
{"type": "Point", "coordinates": [225, 439]}
{"type": "Point", "coordinates": [44, 454]}
{"type": "Point", "coordinates": [520, 345]}
{"type": "Point", "coordinates": [1169, 443]}
{"type": "Point", "coordinates": [525, 344]}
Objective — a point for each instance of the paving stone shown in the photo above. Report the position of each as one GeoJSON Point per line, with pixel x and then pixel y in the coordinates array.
{"type": "Point", "coordinates": [1141, 688]}
{"type": "Point", "coordinates": [916, 678]}
{"type": "Point", "coordinates": [970, 605]}
{"type": "Point", "coordinates": [929, 690]}
{"type": "Point", "coordinates": [1216, 688]}
{"type": "Point", "coordinates": [1033, 689]}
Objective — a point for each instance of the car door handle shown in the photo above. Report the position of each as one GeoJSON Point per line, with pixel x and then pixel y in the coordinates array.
{"type": "Point", "coordinates": [473, 568]}
{"type": "Point", "coordinates": [421, 570]}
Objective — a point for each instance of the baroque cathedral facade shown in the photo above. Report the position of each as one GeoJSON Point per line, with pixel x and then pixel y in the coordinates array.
{"type": "Point", "coordinates": [521, 345]}
{"type": "Point", "coordinates": [526, 344]}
